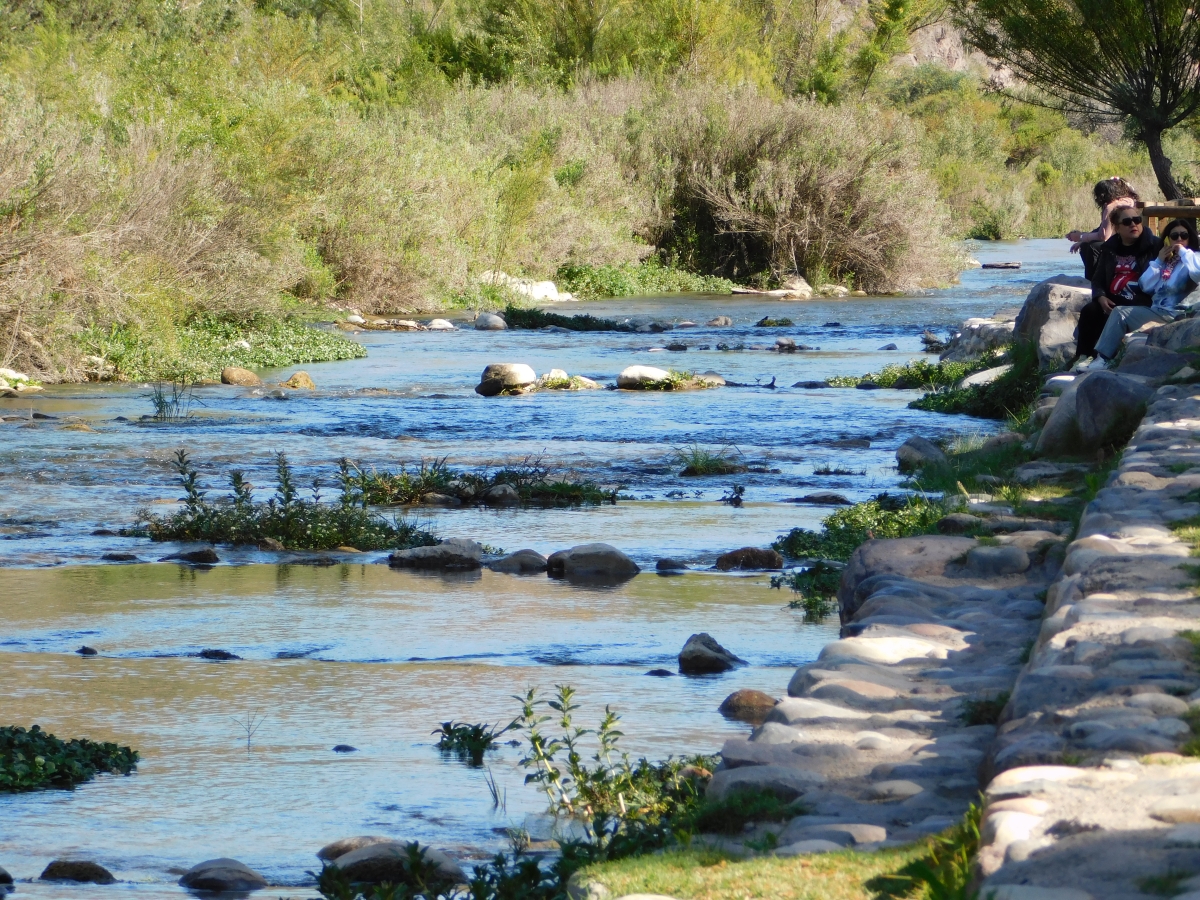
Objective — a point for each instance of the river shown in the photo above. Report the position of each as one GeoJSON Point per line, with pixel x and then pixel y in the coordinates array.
{"type": "Point", "coordinates": [356, 653]}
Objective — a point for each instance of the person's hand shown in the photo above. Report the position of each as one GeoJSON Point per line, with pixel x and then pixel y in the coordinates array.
{"type": "Point", "coordinates": [1106, 304]}
{"type": "Point", "coordinates": [1169, 251]}
{"type": "Point", "coordinates": [1074, 236]}
{"type": "Point", "coordinates": [1075, 246]}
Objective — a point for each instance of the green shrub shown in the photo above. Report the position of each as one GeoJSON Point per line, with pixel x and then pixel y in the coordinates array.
{"type": "Point", "coordinates": [817, 587]}
{"type": "Point", "coordinates": [918, 373]}
{"type": "Point", "coordinates": [946, 872]}
{"type": "Point", "coordinates": [35, 759]}
{"type": "Point", "coordinates": [1008, 397]}
{"type": "Point", "coordinates": [697, 461]}
{"type": "Point", "coordinates": [588, 282]}
{"type": "Point", "coordinates": [296, 523]}
{"type": "Point", "coordinates": [731, 814]}
{"type": "Point", "coordinates": [841, 532]}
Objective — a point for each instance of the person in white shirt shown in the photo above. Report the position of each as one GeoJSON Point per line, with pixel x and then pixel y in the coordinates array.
{"type": "Point", "coordinates": [1168, 279]}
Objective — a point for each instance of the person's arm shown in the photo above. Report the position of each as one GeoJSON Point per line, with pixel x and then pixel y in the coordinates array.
{"type": "Point", "coordinates": [1190, 260]}
{"type": "Point", "coordinates": [1151, 279]}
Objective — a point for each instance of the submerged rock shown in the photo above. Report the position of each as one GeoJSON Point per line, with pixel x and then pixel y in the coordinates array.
{"type": "Point", "coordinates": [667, 564]}
{"type": "Point", "coordinates": [749, 558]}
{"type": "Point", "coordinates": [702, 655]}
{"type": "Point", "coordinates": [240, 377]}
{"type": "Point", "coordinates": [747, 705]}
{"type": "Point", "coordinates": [205, 557]}
{"type": "Point", "coordinates": [222, 874]}
{"type": "Point", "coordinates": [523, 562]}
{"type": "Point", "coordinates": [455, 553]}
{"type": "Point", "coordinates": [720, 322]}
{"type": "Point", "coordinates": [217, 654]}
{"type": "Point", "coordinates": [388, 861]}
{"type": "Point", "coordinates": [344, 748]}
{"type": "Point", "coordinates": [587, 562]}
{"type": "Point", "coordinates": [85, 650]}
{"type": "Point", "coordinates": [77, 870]}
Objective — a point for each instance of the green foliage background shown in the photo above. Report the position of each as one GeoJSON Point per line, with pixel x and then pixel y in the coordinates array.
{"type": "Point", "coordinates": [230, 161]}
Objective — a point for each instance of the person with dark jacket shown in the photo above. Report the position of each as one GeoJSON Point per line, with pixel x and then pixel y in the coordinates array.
{"type": "Point", "coordinates": [1122, 260]}
{"type": "Point", "coordinates": [1108, 194]}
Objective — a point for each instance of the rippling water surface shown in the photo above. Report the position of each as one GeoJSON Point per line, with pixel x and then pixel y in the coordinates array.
{"type": "Point", "coordinates": [358, 654]}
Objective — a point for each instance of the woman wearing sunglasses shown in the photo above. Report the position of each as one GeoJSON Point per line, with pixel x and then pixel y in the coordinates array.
{"type": "Point", "coordinates": [1168, 279]}
{"type": "Point", "coordinates": [1108, 194]}
{"type": "Point", "coordinates": [1123, 259]}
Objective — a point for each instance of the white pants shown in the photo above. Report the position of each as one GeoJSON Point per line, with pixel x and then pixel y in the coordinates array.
{"type": "Point", "coordinates": [1121, 321]}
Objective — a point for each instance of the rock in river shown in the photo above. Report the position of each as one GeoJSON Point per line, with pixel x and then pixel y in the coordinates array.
{"type": "Point", "coordinates": [490, 322]}
{"type": "Point", "coordinates": [702, 655]}
{"type": "Point", "coordinates": [77, 870]}
{"type": "Point", "coordinates": [239, 376]}
{"type": "Point", "coordinates": [222, 874]}
{"type": "Point", "coordinates": [500, 377]}
{"type": "Point", "coordinates": [5, 879]}
{"type": "Point", "coordinates": [205, 557]}
{"type": "Point", "coordinates": [747, 705]}
{"type": "Point", "coordinates": [633, 378]}
{"type": "Point", "coordinates": [455, 553]}
{"type": "Point", "coordinates": [917, 452]}
{"type": "Point", "coordinates": [301, 381]}
{"type": "Point", "coordinates": [600, 562]}
{"type": "Point", "coordinates": [749, 558]}
{"type": "Point", "coordinates": [523, 562]}
{"type": "Point", "coordinates": [501, 495]}
{"type": "Point", "coordinates": [388, 861]}
{"type": "Point", "coordinates": [332, 851]}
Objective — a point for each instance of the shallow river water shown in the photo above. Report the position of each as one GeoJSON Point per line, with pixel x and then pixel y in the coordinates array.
{"type": "Point", "coordinates": [358, 654]}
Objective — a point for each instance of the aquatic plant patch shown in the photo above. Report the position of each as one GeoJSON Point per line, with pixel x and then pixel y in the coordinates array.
{"type": "Point", "coordinates": [697, 461]}
{"type": "Point", "coordinates": [521, 317]}
{"type": "Point", "coordinates": [816, 589]}
{"type": "Point", "coordinates": [293, 522]}
{"type": "Point", "coordinates": [535, 483]}
{"type": "Point", "coordinates": [918, 373]}
{"type": "Point", "coordinates": [884, 516]}
{"type": "Point", "coordinates": [467, 741]}
{"type": "Point", "coordinates": [31, 759]}
{"type": "Point", "coordinates": [200, 348]}
{"type": "Point", "coordinates": [1008, 397]}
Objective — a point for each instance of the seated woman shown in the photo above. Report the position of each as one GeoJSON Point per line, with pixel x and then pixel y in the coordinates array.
{"type": "Point", "coordinates": [1168, 279]}
{"type": "Point", "coordinates": [1123, 259]}
{"type": "Point", "coordinates": [1108, 194]}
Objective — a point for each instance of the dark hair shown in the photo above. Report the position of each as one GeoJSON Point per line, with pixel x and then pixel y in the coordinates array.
{"type": "Point", "coordinates": [1110, 189]}
{"type": "Point", "coordinates": [1193, 243]}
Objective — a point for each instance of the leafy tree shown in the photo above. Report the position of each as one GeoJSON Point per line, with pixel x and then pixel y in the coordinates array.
{"type": "Point", "coordinates": [892, 24]}
{"type": "Point", "coordinates": [1132, 61]}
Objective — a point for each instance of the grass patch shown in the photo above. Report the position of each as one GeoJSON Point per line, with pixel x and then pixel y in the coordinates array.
{"type": "Point", "coordinates": [528, 318]}
{"type": "Point", "coordinates": [648, 278]}
{"type": "Point", "coordinates": [295, 523]}
{"type": "Point", "coordinates": [534, 481]}
{"type": "Point", "coordinates": [884, 516]}
{"type": "Point", "coordinates": [731, 814]}
{"type": "Point", "coordinates": [469, 742]}
{"type": "Point", "coordinates": [816, 589]}
{"type": "Point", "coordinates": [33, 759]}
{"type": "Point", "coordinates": [697, 461]}
{"type": "Point", "coordinates": [1008, 397]}
{"type": "Point", "coordinates": [944, 871]}
{"type": "Point", "coordinates": [836, 470]}
{"type": "Point", "coordinates": [199, 349]}
{"type": "Point", "coordinates": [986, 711]}
{"type": "Point", "coordinates": [918, 374]}
{"type": "Point", "coordinates": [768, 322]}
{"type": "Point", "coordinates": [1165, 885]}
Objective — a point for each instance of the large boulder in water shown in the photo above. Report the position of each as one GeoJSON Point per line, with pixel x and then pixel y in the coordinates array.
{"type": "Point", "coordinates": [455, 553]}
{"type": "Point", "coordinates": [977, 337]}
{"type": "Point", "coordinates": [702, 655]}
{"type": "Point", "coordinates": [239, 376]}
{"type": "Point", "coordinates": [500, 377]}
{"type": "Point", "coordinates": [393, 862]}
{"type": "Point", "coordinates": [591, 562]}
{"type": "Point", "coordinates": [490, 322]}
{"type": "Point", "coordinates": [638, 378]}
{"type": "Point", "coordinates": [77, 870]}
{"type": "Point", "coordinates": [749, 558]}
{"type": "Point", "coordinates": [1049, 316]}
{"type": "Point", "coordinates": [523, 562]}
{"type": "Point", "coordinates": [917, 452]}
{"type": "Point", "coordinates": [222, 875]}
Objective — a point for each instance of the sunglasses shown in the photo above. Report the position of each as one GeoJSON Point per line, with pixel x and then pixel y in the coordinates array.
{"type": "Point", "coordinates": [1180, 235]}
{"type": "Point", "coordinates": [1131, 220]}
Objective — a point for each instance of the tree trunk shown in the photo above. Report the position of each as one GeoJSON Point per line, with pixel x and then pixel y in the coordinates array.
{"type": "Point", "coordinates": [1161, 163]}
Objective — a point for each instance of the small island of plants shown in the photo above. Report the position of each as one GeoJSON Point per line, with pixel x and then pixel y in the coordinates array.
{"type": "Point", "coordinates": [32, 759]}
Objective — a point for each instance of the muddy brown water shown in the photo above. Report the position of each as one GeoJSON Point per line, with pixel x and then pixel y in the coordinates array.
{"type": "Point", "coordinates": [358, 654]}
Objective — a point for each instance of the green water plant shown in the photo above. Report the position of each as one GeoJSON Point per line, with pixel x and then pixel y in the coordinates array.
{"type": "Point", "coordinates": [467, 741]}
{"type": "Point", "coordinates": [918, 374]}
{"type": "Point", "coordinates": [536, 483]}
{"type": "Point", "coordinates": [289, 519]}
{"type": "Point", "coordinates": [528, 318]}
{"type": "Point", "coordinates": [1010, 396]}
{"type": "Point", "coordinates": [883, 516]}
{"type": "Point", "coordinates": [815, 588]}
{"type": "Point", "coordinates": [697, 461]}
{"type": "Point", "coordinates": [32, 759]}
